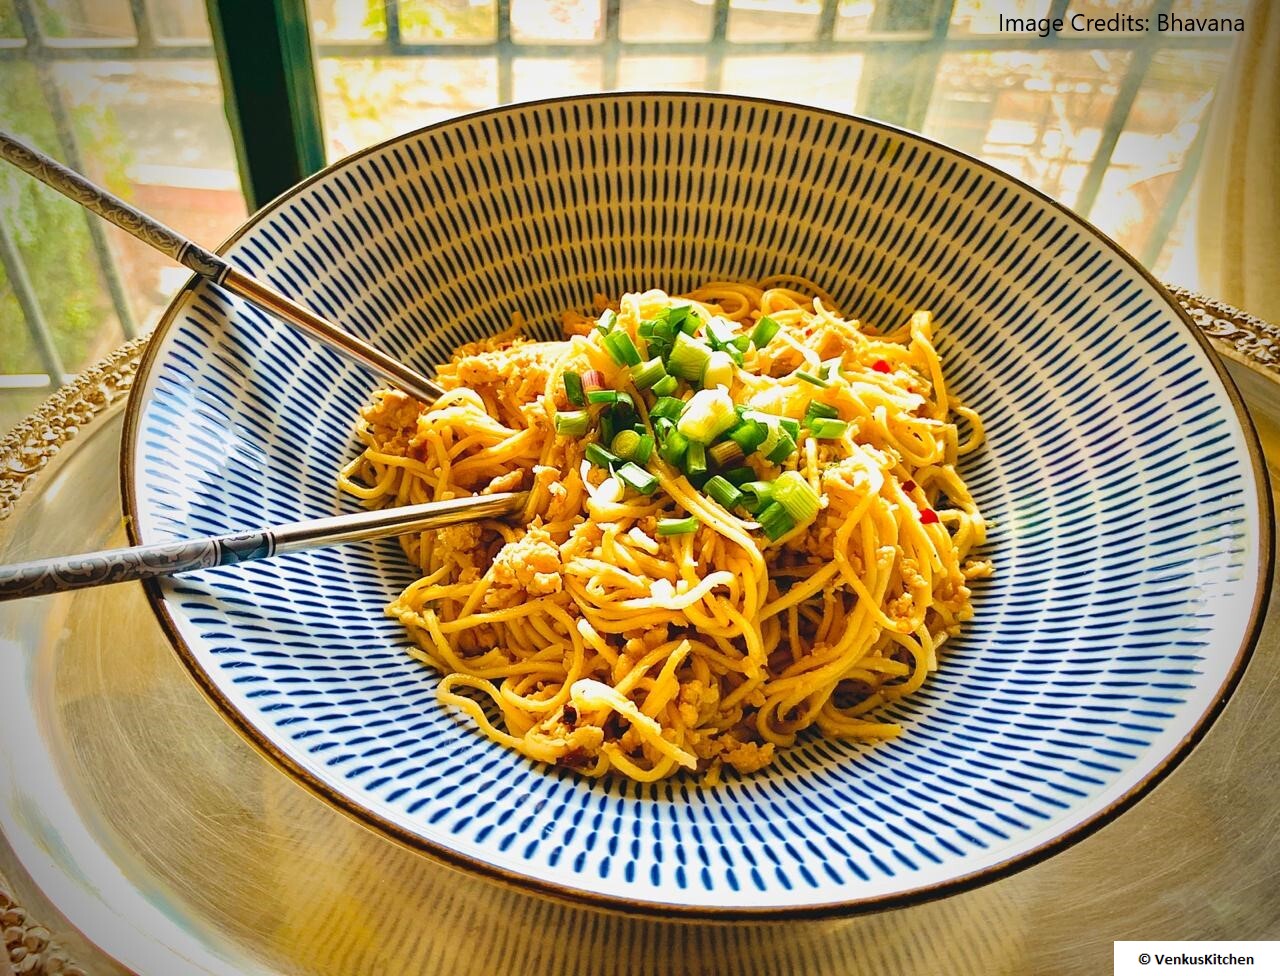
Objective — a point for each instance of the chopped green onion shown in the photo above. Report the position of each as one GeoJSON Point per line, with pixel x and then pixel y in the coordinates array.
{"type": "Point", "coordinates": [572, 421]}
{"type": "Point", "coordinates": [707, 415]}
{"type": "Point", "coordinates": [831, 368]}
{"type": "Point", "coordinates": [756, 494]}
{"type": "Point", "coordinates": [695, 460]}
{"type": "Point", "coordinates": [648, 374]}
{"type": "Point", "coordinates": [688, 358]}
{"type": "Point", "coordinates": [601, 457]}
{"type": "Point", "coordinates": [609, 396]}
{"type": "Point", "coordinates": [607, 321]}
{"type": "Point", "coordinates": [719, 370]}
{"type": "Point", "coordinates": [726, 454]}
{"type": "Point", "coordinates": [634, 476]}
{"type": "Point", "coordinates": [619, 346]}
{"type": "Point", "coordinates": [749, 435]}
{"type": "Point", "coordinates": [773, 437]}
{"type": "Point", "coordinates": [684, 526]}
{"type": "Point", "coordinates": [573, 389]}
{"type": "Point", "coordinates": [810, 378]}
{"type": "Point", "coordinates": [775, 520]}
{"type": "Point", "coordinates": [667, 407]}
{"type": "Point", "coordinates": [740, 343]}
{"type": "Point", "coordinates": [739, 476]}
{"type": "Point", "coordinates": [663, 427]}
{"type": "Point", "coordinates": [826, 429]}
{"type": "Point", "coordinates": [797, 496]}
{"type": "Point", "coordinates": [783, 449]}
{"type": "Point", "coordinates": [764, 332]}
{"type": "Point", "coordinates": [624, 443]}
{"type": "Point", "coordinates": [643, 450]}
{"type": "Point", "coordinates": [609, 425]}
{"type": "Point", "coordinates": [674, 448]}
{"type": "Point", "coordinates": [817, 410]}
{"type": "Point", "coordinates": [646, 328]}
{"type": "Point", "coordinates": [719, 333]}
{"type": "Point", "coordinates": [665, 386]}
{"type": "Point", "coordinates": [791, 426]}
{"type": "Point", "coordinates": [723, 491]}
{"type": "Point", "coordinates": [593, 379]}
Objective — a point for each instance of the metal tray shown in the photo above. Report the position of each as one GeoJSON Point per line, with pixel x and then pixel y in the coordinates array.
{"type": "Point", "coordinates": [140, 833]}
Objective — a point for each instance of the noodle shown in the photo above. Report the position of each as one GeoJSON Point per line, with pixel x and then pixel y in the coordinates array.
{"type": "Point", "coordinates": [640, 618]}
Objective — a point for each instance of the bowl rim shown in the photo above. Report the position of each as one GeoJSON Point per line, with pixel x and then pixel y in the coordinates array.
{"type": "Point", "coordinates": [528, 882]}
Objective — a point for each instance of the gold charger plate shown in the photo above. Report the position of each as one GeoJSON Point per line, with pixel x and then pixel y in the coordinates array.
{"type": "Point", "coordinates": [140, 833]}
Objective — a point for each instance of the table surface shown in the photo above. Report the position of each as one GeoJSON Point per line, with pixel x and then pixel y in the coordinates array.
{"type": "Point", "coordinates": [142, 833]}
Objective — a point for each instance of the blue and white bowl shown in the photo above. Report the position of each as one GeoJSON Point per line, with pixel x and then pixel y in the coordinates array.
{"type": "Point", "coordinates": [1132, 528]}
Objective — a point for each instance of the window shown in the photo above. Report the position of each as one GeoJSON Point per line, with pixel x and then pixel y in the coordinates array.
{"type": "Point", "coordinates": [1112, 125]}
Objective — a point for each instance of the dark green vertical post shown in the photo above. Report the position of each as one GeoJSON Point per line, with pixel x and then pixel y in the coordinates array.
{"type": "Point", "coordinates": [269, 83]}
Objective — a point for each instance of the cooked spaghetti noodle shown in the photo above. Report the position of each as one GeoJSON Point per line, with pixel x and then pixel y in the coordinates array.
{"type": "Point", "coordinates": [691, 584]}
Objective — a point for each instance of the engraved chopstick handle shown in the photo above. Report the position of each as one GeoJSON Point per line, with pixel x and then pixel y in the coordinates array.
{"type": "Point", "coordinates": [139, 562]}
{"type": "Point", "coordinates": [110, 207]}
{"type": "Point", "coordinates": [166, 558]}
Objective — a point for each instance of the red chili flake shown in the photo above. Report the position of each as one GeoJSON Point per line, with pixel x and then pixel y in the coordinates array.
{"type": "Point", "coordinates": [928, 516]}
{"type": "Point", "coordinates": [908, 486]}
{"type": "Point", "coordinates": [880, 366]}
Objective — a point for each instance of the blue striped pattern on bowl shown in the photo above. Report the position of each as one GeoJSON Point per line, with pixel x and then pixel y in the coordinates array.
{"type": "Point", "coordinates": [1130, 533]}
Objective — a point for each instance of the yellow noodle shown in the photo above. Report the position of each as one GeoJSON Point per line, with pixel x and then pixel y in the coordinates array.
{"type": "Point", "coordinates": [577, 634]}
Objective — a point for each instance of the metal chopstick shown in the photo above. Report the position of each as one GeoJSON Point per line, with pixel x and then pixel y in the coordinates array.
{"type": "Point", "coordinates": [165, 558]}
{"type": "Point", "coordinates": [212, 267]}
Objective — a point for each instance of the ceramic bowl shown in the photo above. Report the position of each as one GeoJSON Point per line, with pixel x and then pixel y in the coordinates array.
{"type": "Point", "coordinates": [1131, 534]}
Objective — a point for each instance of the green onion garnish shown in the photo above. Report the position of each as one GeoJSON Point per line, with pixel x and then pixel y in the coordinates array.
{"type": "Point", "coordinates": [719, 333]}
{"type": "Point", "coordinates": [609, 425]}
{"type": "Point", "coordinates": [719, 370]}
{"type": "Point", "coordinates": [797, 496]}
{"type": "Point", "coordinates": [643, 450]}
{"type": "Point", "coordinates": [723, 491]}
{"type": "Point", "coordinates": [607, 321]}
{"type": "Point", "coordinates": [783, 449]}
{"type": "Point", "coordinates": [674, 448]}
{"type": "Point", "coordinates": [756, 494]}
{"type": "Point", "coordinates": [695, 460]}
{"type": "Point", "coordinates": [572, 421]}
{"type": "Point", "coordinates": [810, 378]}
{"type": "Point", "coordinates": [688, 358]}
{"type": "Point", "coordinates": [573, 389]}
{"type": "Point", "coordinates": [622, 349]}
{"type": "Point", "coordinates": [739, 476]}
{"type": "Point", "coordinates": [775, 520]}
{"type": "Point", "coordinates": [817, 410]}
{"type": "Point", "coordinates": [749, 435]}
{"type": "Point", "coordinates": [667, 407]}
{"type": "Point", "coordinates": [826, 429]}
{"type": "Point", "coordinates": [764, 332]}
{"type": "Point", "coordinates": [671, 526]}
{"type": "Point", "coordinates": [647, 374]}
{"type": "Point", "coordinates": [601, 457]}
{"type": "Point", "coordinates": [625, 442]}
{"type": "Point", "coordinates": [665, 386]}
{"type": "Point", "coordinates": [606, 396]}
{"type": "Point", "coordinates": [726, 454]}
{"type": "Point", "coordinates": [791, 426]}
{"type": "Point", "coordinates": [634, 476]}
{"type": "Point", "coordinates": [707, 415]}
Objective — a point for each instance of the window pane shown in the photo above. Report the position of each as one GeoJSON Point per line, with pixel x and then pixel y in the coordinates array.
{"type": "Point", "coordinates": [773, 20]}
{"type": "Point", "coordinates": [17, 351]}
{"type": "Point", "coordinates": [1178, 261]}
{"type": "Point", "coordinates": [9, 25]}
{"type": "Point", "coordinates": [182, 21]}
{"type": "Point", "coordinates": [856, 18]}
{"type": "Point", "coordinates": [983, 17]}
{"type": "Point", "coordinates": [663, 74]}
{"type": "Point", "coordinates": [108, 20]}
{"type": "Point", "coordinates": [1149, 154]}
{"type": "Point", "coordinates": [433, 21]}
{"type": "Point", "coordinates": [172, 156]}
{"type": "Point", "coordinates": [341, 20]}
{"type": "Point", "coordinates": [1038, 115]}
{"type": "Point", "coordinates": [824, 80]}
{"type": "Point", "coordinates": [552, 77]}
{"type": "Point", "coordinates": [558, 20]}
{"type": "Point", "coordinates": [366, 100]}
{"type": "Point", "coordinates": [665, 20]}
